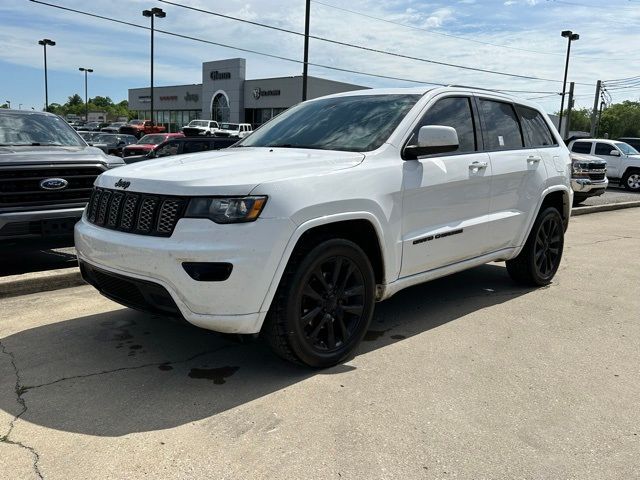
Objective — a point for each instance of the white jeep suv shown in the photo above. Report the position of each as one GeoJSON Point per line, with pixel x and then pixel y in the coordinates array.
{"type": "Point", "coordinates": [339, 202]}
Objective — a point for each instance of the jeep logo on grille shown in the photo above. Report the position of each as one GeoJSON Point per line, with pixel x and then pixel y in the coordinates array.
{"type": "Point", "coordinates": [53, 184]}
{"type": "Point", "coordinates": [122, 184]}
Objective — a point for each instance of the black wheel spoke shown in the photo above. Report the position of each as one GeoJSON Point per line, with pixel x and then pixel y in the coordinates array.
{"type": "Point", "coordinates": [314, 333]}
{"type": "Point", "coordinates": [320, 276]}
{"type": "Point", "coordinates": [311, 293]}
{"type": "Point", "coordinates": [309, 316]}
{"type": "Point", "coordinates": [354, 309]}
{"type": "Point", "coordinates": [347, 275]}
{"type": "Point", "coordinates": [353, 291]}
{"type": "Point", "coordinates": [343, 327]}
{"type": "Point", "coordinates": [336, 271]}
{"type": "Point", "coordinates": [331, 336]}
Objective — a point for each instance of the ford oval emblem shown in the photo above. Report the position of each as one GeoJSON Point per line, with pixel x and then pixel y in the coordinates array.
{"type": "Point", "coordinates": [53, 184]}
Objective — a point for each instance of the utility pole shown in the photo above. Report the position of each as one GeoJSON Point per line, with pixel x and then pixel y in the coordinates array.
{"type": "Point", "coordinates": [599, 117]}
{"type": "Point", "coordinates": [305, 67]}
{"type": "Point", "coordinates": [594, 112]}
{"type": "Point", "coordinates": [567, 128]}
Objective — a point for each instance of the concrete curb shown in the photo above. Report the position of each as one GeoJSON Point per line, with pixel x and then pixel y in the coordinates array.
{"type": "Point", "coordinates": [35, 282]}
{"type": "Point", "coordinates": [604, 208]}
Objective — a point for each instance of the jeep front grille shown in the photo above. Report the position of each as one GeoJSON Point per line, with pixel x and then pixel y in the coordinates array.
{"type": "Point", "coordinates": [139, 213]}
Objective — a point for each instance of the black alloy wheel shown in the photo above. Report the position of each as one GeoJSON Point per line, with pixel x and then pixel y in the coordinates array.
{"type": "Point", "coordinates": [331, 303]}
{"type": "Point", "coordinates": [539, 260]}
{"type": "Point", "coordinates": [547, 249]}
{"type": "Point", "coordinates": [324, 304]}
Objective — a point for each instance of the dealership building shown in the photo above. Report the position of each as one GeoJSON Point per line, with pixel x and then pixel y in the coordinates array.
{"type": "Point", "coordinates": [226, 95]}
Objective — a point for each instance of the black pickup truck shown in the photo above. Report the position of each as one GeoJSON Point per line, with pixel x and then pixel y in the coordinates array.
{"type": "Point", "coordinates": [46, 175]}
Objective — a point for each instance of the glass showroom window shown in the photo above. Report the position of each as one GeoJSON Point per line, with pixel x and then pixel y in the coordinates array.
{"type": "Point", "coordinates": [220, 108]}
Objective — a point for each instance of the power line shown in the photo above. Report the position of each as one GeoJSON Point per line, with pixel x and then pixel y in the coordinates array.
{"type": "Point", "coordinates": [435, 33]}
{"type": "Point", "coordinates": [584, 5]}
{"type": "Point", "coordinates": [369, 49]}
{"type": "Point", "coordinates": [247, 50]}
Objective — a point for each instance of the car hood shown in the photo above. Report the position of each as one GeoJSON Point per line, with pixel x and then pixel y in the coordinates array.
{"type": "Point", "coordinates": [584, 158]}
{"type": "Point", "coordinates": [34, 154]}
{"type": "Point", "coordinates": [144, 146]}
{"type": "Point", "coordinates": [235, 171]}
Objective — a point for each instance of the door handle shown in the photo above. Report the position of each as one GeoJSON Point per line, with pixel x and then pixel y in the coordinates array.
{"type": "Point", "coordinates": [533, 159]}
{"type": "Point", "coordinates": [478, 165]}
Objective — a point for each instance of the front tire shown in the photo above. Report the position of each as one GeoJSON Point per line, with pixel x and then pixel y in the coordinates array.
{"type": "Point", "coordinates": [323, 306]}
{"type": "Point", "coordinates": [540, 258]}
{"type": "Point", "coordinates": [631, 180]}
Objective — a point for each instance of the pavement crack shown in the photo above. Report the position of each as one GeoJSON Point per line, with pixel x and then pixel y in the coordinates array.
{"type": "Point", "coordinates": [19, 390]}
{"type": "Point", "coordinates": [123, 369]}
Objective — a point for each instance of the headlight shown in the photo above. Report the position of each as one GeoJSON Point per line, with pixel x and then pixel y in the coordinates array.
{"type": "Point", "coordinates": [226, 210]}
{"type": "Point", "coordinates": [578, 167]}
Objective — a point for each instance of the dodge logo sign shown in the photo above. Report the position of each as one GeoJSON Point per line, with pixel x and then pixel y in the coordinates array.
{"type": "Point", "coordinates": [122, 184]}
{"type": "Point", "coordinates": [53, 184]}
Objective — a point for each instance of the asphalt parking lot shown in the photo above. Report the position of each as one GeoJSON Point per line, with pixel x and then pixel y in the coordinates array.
{"type": "Point", "coordinates": [465, 377]}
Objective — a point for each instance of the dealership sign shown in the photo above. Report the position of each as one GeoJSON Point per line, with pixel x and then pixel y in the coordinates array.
{"type": "Point", "coordinates": [168, 98]}
{"type": "Point", "coordinates": [216, 75]}
{"type": "Point", "coordinates": [258, 92]}
{"type": "Point", "coordinates": [191, 97]}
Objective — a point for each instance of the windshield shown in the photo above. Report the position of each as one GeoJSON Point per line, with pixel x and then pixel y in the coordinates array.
{"type": "Point", "coordinates": [152, 139]}
{"type": "Point", "coordinates": [199, 123]}
{"type": "Point", "coordinates": [36, 129]}
{"type": "Point", "coordinates": [229, 126]}
{"type": "Point", "coordinates": [136, 122]}
{"type": "Point", "coordinates": [626, 148]}
{"type": "Point", "coordinates": [358, 123]}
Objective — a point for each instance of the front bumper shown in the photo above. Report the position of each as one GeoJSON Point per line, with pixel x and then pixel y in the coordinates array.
{"type": "Point", "coordinates": [232, 306]}
{"type": "Point", "coordinates": [587, 187]}
{"type": "Point", "coordinates": [39, 223]}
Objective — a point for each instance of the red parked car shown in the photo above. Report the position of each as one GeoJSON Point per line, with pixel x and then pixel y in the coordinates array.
{"type": "Point", "coordinates": [148, 143]}
{"type": "Point", "coordinates": [140, 128]}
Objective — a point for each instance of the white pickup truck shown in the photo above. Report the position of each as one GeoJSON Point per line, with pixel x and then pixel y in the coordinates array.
{"type": "Point", "coordinates": [623, 161]}
{"type": "Point", "coordinates": [201, 127]}
{"type": "Point", "coordinates": [339, 202]}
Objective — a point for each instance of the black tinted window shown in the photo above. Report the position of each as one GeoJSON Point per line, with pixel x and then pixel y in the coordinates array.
{"type": "Point", "coordinates": [535, 129]}
{"type": "Point", "coordinates": [452, 112]}
{"type": "Point", "coordinates": [192, 147]}
{"type": "Point", "coordinates": [502, 130]}
{"type": "Point", "coordinates": [358, 123]}
{"type": "Point", "coordinates": [581, 147]}
{"type": "Point", "coordinates": [604, 149]}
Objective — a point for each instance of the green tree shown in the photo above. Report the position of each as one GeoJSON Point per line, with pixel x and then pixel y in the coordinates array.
{"type": "Point", "coordinates": [621, 120]}
{"type": "Point", "coordinates": [4, 105]}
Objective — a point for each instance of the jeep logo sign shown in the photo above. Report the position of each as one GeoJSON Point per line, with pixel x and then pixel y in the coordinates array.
{"type": "Point", "coordinates": [191, 97]}
{"type": "Point", "coordinates": [53, 184]}
{"type": "Point", "coordinates": [122, 184]}
{"type": "Point", "coordinates": [220, 75]}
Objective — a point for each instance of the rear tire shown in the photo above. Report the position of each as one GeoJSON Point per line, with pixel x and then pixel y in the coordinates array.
{"type": "Point", "coordinates": [631, 180]}
{"type": "Point", "coordinates": [540, 258]}
{"type": "Point", "coordinates": [323, 306]}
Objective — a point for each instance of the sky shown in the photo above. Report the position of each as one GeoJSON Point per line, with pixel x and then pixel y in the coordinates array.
{"type": "Point", "coordinates": [515, 36]}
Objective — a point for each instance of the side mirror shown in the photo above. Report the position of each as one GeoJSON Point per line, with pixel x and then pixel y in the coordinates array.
{"type": "Point", "coordinates": [614, 153]}
{"type": "Point", "coordinates": [433, 139]}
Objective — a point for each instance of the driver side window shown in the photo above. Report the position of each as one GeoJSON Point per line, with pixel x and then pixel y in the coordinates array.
{"type": "Point", "coordinates": [453, 112]}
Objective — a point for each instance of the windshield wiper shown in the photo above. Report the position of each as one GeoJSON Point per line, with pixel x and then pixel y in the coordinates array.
{"type": "Point", "coordinates": [290, 145]}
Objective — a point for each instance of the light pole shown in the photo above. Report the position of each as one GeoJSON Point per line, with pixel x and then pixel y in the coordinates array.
{"type": "Point", "coordinates": [305, 66]}
{"type": "Point", "coordinates": [44, 42]}
{"type": "Point", "coordinates": [154, 12]}
{"type": "Point", "coordinates": [568, 34]}
{"type": "Point", "coordinates": [86, 100]}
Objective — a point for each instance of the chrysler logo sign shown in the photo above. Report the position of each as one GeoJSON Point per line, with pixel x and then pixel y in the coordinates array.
{"type": "Point", "coordinates": [220, 75]}
{"type": "Point", "coordinates": [258, 92]}
{"type": "Point", "coordinates": [53, 184]}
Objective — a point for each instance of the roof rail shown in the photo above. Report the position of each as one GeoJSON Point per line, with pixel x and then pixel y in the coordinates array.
{"type": "Point", "coordinates": [475, 88]}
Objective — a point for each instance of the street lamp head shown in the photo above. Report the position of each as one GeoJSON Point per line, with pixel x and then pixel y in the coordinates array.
{"type": "Point", "coordinates": [154, 12]}
{"type": "Point", "coordinates": [566, 33]}
{"type": "Point", "coordinates": [575, 37]}
{"type": "Point", "coordinates": [46, 41]}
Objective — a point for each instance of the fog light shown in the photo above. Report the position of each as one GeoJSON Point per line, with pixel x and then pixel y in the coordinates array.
{"type": "Point", "coordinates": [208, 271]}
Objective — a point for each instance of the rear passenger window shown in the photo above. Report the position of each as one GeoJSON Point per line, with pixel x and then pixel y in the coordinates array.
{"type": "Point", "coordinates": [581, 147]}
{"type": "Point", "coordinates": [535, 129]}
{"type": "Point", "coordinates": [452, 112]}
{"type": "Point", "coordinates": [604, 149]}
{"type": "Point", "coordinates": [502, 130]}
